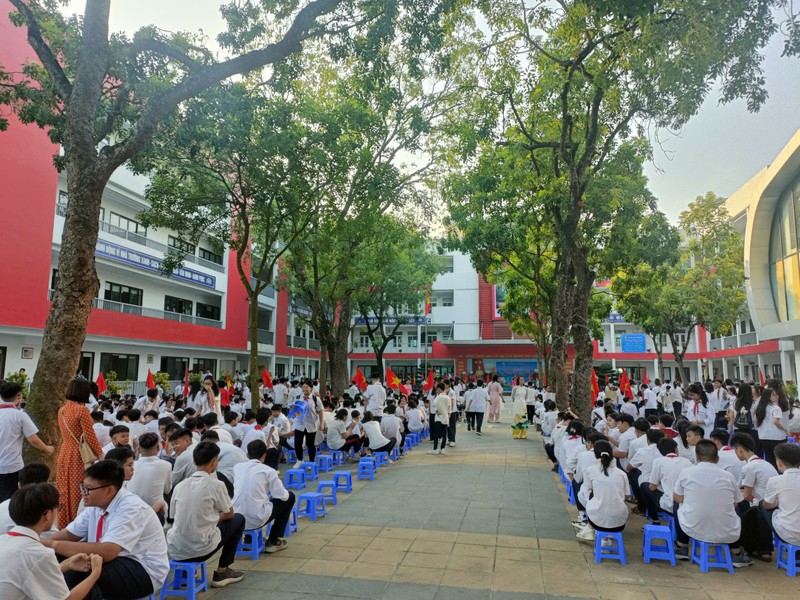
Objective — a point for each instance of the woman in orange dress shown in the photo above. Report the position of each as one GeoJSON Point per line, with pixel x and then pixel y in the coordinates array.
{"type": "Point", "coordinates": [74, 421]}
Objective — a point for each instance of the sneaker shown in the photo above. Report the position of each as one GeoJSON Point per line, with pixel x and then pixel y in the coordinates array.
{"type": "Point", "coordinates": [298, 465]}
{"type": "Point", "coordinates": [226, 578]}
{"type": "Point", "coordinates": [442, 451]}
{"type": "Point", "coordinates": [741, 559]}
{"type": "Point", "coordinates": [269, 548]}
{"type": "Point", "coordinates": [682, 552]}
{"type": "Point", "coordinates": [586, 534]}
{"type": "Point", "coordinates": [433, 452]}
{"type": "Point", "coordinates": [479, 433]}
{"type": "Point", "coordinates": [451, 444]}
{"type": "Point", "coordinates": [578, 525]}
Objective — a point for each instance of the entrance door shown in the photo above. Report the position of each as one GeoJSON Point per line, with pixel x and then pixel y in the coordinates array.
{"type": "Point", "coordinates": [86, 365]}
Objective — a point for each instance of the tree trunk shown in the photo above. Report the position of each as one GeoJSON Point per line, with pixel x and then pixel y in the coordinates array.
{"type": "Point", "coordinates": [323, 368]}
{"type": "Point", "coordinates": [65, 330]}
{"type": "Point", "coordinates": [253, 334]}
{"type": "Point", "coordinates": [562, 313]}
{"type": "Point", "coordinates": [339, 371]}
{"type": "Point", "coordinates": [379, 359]}
{"type": "Point", "coordinates": [584, 349]}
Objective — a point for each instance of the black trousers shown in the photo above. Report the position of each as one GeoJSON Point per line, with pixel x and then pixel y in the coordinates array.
{"type": "Point", "coordinates": [388, 447]}
{"type": "Point", "coordinates": [478, 421]}
{"type": "Point", "coordinates": [633, 479]}
{"type": "Point", "coordinates": [439, 433]}
{"type": "Point", "coordinates": [310, 438]}
{"type": "Point", "coordinates": [768, 447]}
{"type": "Point", "coordinates": [651, 500]}
{"type": "Point", "coordinates": [451, 428]}
{"type": "Point", "coordinates": [231, 531]}
{"type": "Point", "coordinates": [531, 410]}
{"type": "Point", "coordinates": [8, 485]}
{"type": "Point", "coordinates": [123, 578]}
{"type": "Point", "coordinates": [281, 511]}
{"type": "Point", "coordinates": [470, 420]}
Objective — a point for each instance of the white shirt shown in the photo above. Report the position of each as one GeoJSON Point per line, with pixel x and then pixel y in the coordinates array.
{"type": "Point", "coordinates": [767, 429]}
{"type": "Point", "coordinates": [196, 505]}
{"type": "Point", "coordinates": [281, 393]}
{"type": "Point", "coordinates": [30, 570]}
{"type": "Point", "coordinates": [728, 461]}
{"type": "Point", "coordinates": [184, 465]}
{"type": "Point", "coordinates": [253, 434]}
{"type": "Point", "coordinates": [372, 429]}
{"type": "Point", "coordinates": [606, 507]}
{"type": "Point", "coordinates": [585, 460]}
{"type": "Point", "coordinates": [390, 427]}
{"type": "Point", "coordinates": [222, 434]}
{"type": "Point", "coordinates": [152, 479]}
{"type": "Point", "coordinates": [229, 457]}
{"type": "Point", "coordinates": [625, 440]}
{"type": "Point", "coordinates": [101, 431]}
{"type": "Point", "coordinates": [570, 445]}
{"type": "Point", "coordinates": [785, 490]}
{"type": "Point", "coordinates": [664, 474]}
{"type": "Point", "coordinates": [644, 459]}
{"type": "Point", "coordinates": [15, 426]}
{"type": "Point", "coordinates": [640, 443]}
{"type": "Point", "coordinates": [650, 399]}
{"type": "Point", "coordinates": [707, 512]}
{"type": "Point", "coordinates": [695, 411]}
{"type": "Point", "coordinates": [549, 423]}
{"type": "Point", "coordinates": [132, 525]}
{"type": "Point", "coordinates": [255, 484]}
{"type": "Point", "coordinates": [376, 399]}
{"type": "Point", "coordinates": [478, 400]}
{"type": "Point", "coordinates": [756, 474]}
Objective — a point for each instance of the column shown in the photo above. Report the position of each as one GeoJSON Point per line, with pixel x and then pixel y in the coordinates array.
{"type": "Point", "coordinates": [699, 376]}
{"type": "Point", "coordinates": [613, 336]}
{"type": "Point", "coordinates": [797, 355]}
{"type": "Point", "coordinates": [741, 367]}
{"type": "Point", "coordinates": [655, 369]}
{"type": "Point", "coordinates": [724, 368]}
{"type": "Point", "coordinates": [786, 369]}
{"type": "Point", "coordinates": [757, 375]}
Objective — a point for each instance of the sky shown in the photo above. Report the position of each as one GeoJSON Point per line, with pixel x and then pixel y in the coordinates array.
{"type": "Point", "coordinates": [720, 149]}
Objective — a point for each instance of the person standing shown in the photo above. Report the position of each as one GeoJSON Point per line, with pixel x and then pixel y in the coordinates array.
{"type": "Point", "coordinates": [74, 422]}
{"type": "Point", "coordinates": [376, 398]}
{"type": "Point", "coordinates": [305, 425]}
{"type": "Point", "coordinates": [496, 401]}
{"type": "Point", "coordinates": [15, 426]}
{"type": "Point", "coordinates": [477, 405]}
{"type": "Point", "coordinates": [519, 394]}
{"type": "Point", "coordinates": [440, 413]}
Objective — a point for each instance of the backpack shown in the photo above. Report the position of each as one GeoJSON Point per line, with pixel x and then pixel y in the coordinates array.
{"type": "Point", "coordinates": [743, 420]}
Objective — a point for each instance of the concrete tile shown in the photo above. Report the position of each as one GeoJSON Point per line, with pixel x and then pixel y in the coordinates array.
{"type": "Point", "coordinates": [350, 541]}
{"type": "Point", "coordinates": [525, 583]}
{"type": "Point", "coordinates": [524, 554]}
{"type": "Point", "coordinates": [418, 575]}
{"type": "Point", "coordinates": [474, 550]}
{"type": "Point", "coordinates": [340, 553]}
{"type": "Point", "coordinates": [307, 584]}
{"type": "Point", "coordinates": [358, 588]}
{"type": "Point", "coordinates": [467, 579]}
{"type": "Point", "coordinates": [437, 536]}
{"type": "Point", "coordinates": [361, 530]}
{"type": "Point", "coordinates": [516, 541]}
{"type": "Point", "coordinates": [386, 557]}
{"type": "Point", "coordinates": [455, 593]}
{"type": "Point", "coordinates": [398, 533]}
{"type": "Point", "coordinates": [381, 543]}
{"type": "Point", "coordinates": [328, 568]}
{"type": "Point", "coordinates": [375, 571]}
{"type": "Point", "coordinates": [617, 591]}
{"type": "Point", "coordinates": [419, 559]}
{"type": "Point", "coordinates": [470, 563]}
{"type": "Point", "coordinates": [440, 548]}
{"type": "Point", "coordinates": [408, 591]}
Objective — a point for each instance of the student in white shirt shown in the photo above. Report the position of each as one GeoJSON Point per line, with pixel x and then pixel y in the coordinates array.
{"type": "Point", "coordinates": [641, 464]}
{"type": "Point", "coordinates": [376, 398]}
{"type": "Point", "coordinates": [627, 434]}
{"type": "Point", "coordinates": [440, 418]}
{"type": "Point", "coordinates": [306, 425]}
{"type": "Point", "coordinates": [183, 443]}
{"type": "Point", "coordinates": [707, 497]}
{"type": "Point", "coordinates": [769, 422]}
{"type": "Point", "coordinates": [152, 477]}
{"type": "Point", "coordinates": [699, 410]}
{"type": "Point", "coordinates": [756, 472]}
{"type": "Point", "coordinates": [122, 529]}
{"type": "Point", "coordinates": [259, 494]}
{"type": "Point", "coordinates": [781, 505]}
{"type": "Point", "coordinates": [204, 518]}
{"type": "Point", "coordinates": [341, 432]}
{"type": "Point", "coordinates": [211, 421]}
{"type": "Point", "coordinates": [603, 494]}
{"type": "Point", "coordinates": [727, 455]}
{"type": "Point", "coordinates": [283, 426]}
{"type": "Point", "coordinates": [374, 438]}
{"type": "Point", "coordinates": [30, 569]}
{"type": "Point", "coordinates": [100, 429]}
{"type": "Point", "coordinates": [657, 492]}
{"type": "Point", "coordinates": [392, 426]}
{"type": "Point", "coordinates": [581, 460]}
{"type": "Point", "coordinates": [30, 474]}
{"type": "Point", "coordinates": [476, 404]}
{"type": "Point", "coordinates": [415, 417]}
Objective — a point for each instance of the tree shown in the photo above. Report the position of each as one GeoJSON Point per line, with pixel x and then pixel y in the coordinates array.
{"type": "Point", "coordinates": [91, 86]}
{"type": "Point", "coordinates": [397, 274]}
{"type": "Point", "coordinates": [704, 287]}
{"type": "Point", "coordinates": [571, 83]}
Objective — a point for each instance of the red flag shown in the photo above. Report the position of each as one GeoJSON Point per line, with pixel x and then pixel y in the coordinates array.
{"type": "Point", "coordinates": [645, 380]}
{"type": "Point", "coordinates": [266, 378]}
{"type": "Point", "coordinates": [427, 304]}
{"type": "Point", "coordinates": [186, 384]}
{"type": "Point", "coordinates": [625, 385]}
{"type": "Point", "coordinates": [761, 378]}
{"type": "Point", "coordinates": [360, 380]}
{"type": "Point", "coordinates": [595, 385]}
{"type": "Point", "coordinates": [151, 383]}
{"type": "Point", "coordinates": [229, 382]}
{"type": "Point", "coordinates": [101, 384]}
{"type": "Point", "coordinates": [428, 385]}
{"type": "Point", "coordinates": [392, 380]}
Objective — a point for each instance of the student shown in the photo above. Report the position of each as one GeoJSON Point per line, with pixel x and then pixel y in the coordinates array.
{"type": "Point", "coordinates": [15, 426]}
{"type": "Point", "coordinates": [577, 465]}
{"type": "Point", "coordinates": [392, 426]}
{"type": "Point", "coordinates": [341, 434]}
{"type": "Point", "coordinates": [573, 445]}
{"type": "Point", "coordinates": [305, 425]}
{"type": "Point", "coordinates": [665, 423]}
{"type": "Point", "coordinates": [658, 491]}
{"type": "Point", "coordinates": [28, 475]}
{"type": "Point", "coordinates": [603, 494]}
{"type": "Point", "coordinates": [101, 430]}
{"type": "Point", "coordinates": [781, 504]}
{"type": "Point", "coordinates": [122, 529]}
{"type": "Point", "coordinates": [211, 421]}
{"type": "Point", "coordinates": [626, 435]}
{"type": "Point", "coordinates": [375, 440]}
{"type": "Point", "coordinates": [470, 414]}
{"type": "Point", "coordinates": [769, 422]}
{"type": "Point", "coordinates": [259, 495]}
{"type": "Point", "coordinates": [700, 411]}
{"type": "Point", "coordinates": [756, 472]}
{"type": "Point", "coordinates": [204, 518]}
{"type": "Point", "coordinates": [415, 417]}
{"type": "Point", "coordinates": [705, 497]}
{"type": "Point", "coordinates": [641, 465]}
{"type": "Point", "coordinates": [152, 477]}
{"type": "Point", "coordinates": [124, 457]}
{"type": "Point", "coordinates": [440, 412]}
{"type": "Point", "coordinates": [375, 395]}
{"type": "Point", "coordinates": [477, 404]}
{"type": "Point", "coordinates": [30, 569]}
{"type": "Point", "coordinates": [183, 443]}
{"type": "Point", "coordinates": [727, 455]}
{"type": "Point", "coordinates": [120, 436]}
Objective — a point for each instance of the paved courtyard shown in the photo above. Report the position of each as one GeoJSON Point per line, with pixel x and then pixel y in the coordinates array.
{"type": "Point", "coordinates": [487, 521]}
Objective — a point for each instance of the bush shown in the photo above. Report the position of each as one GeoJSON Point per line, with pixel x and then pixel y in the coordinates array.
{"type": "Point", "coordinates": [20, 379]}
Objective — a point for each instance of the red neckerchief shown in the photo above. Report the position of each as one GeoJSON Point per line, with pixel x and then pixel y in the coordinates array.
{"type": "Point", "coordinates": [727, 448]}
{"type": "Point", "coordinates": [18, 534]}
{"type": "Point", "coordinates": [696, 407]}
{"type": "Point", "coordinates": [257, 427]}
{"type": "Point", "coordinates": [10, 406]}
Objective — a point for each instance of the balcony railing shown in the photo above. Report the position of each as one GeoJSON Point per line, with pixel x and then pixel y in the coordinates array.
{"type": "Point", "coordinates": [313, 344]}
{"type": "Point", "coordinates": [132, 309]}
{"type": "Point", "coordinates": [265, 337]}
{"type": "Point", "coordinates": [299, 342]}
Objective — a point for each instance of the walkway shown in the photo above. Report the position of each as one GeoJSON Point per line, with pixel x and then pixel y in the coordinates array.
{"type": "Point", "coordinates": [488, 521]}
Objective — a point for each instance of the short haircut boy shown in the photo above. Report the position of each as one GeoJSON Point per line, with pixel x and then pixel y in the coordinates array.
{"type": "Point", "coordinates": [29, 503]}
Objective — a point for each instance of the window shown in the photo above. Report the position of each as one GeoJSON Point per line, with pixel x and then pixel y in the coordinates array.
{"type": "Point", "coordinates": [123, 293]}
{"type": "Point", "coordinates": [210, 256]}
{"type": "Point", "coordinates": [127, 224]}
{"type": "Point", "coordinates": [394, 341]}
{"type": "Point", "coordinates": [179, 244]}
{"type": "Point", "coordinates": [126, 366]}
{"type": "Point", "coordinates": [202, 365]}
{"type": "Point", "coordinates": [178, 305]}
{"type": "Point", "coordinates": [429, 337]}
{"type": "Point", "coordinates": [364, 340]}
{"type": "Point", "coordinates": [207, 311]}
{"type": "Point", "coordinates": [63, 198]}
{"type": "Point", "coordinates": [174, 366]}
{"type": "Point", "coordinates": [54, 279]}
{"type": "Point", "coordinates": [446, 263]}
{"type": "Point", "coordinates": [445, 298]}
{"type": "Point", "coordinates": [743, 326]}
{"type": "Point", "coordinates": [412, 340]}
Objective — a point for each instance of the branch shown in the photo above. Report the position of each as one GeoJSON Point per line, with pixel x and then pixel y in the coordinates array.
{"type": "Point", "coordinates": [161, 47]}
{"type": "Point", "coordinates": [43, 51]}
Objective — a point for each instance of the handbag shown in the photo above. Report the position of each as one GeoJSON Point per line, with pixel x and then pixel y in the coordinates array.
{"type": "Point", "coordinates": [87, 454]}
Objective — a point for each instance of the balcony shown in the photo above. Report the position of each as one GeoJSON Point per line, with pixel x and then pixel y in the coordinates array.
{"type": "Point", "coordinates": [313, 344]}
{"type": "Point", "coordinates": [265, 337]}
{"type": "Point", "coordinates": [132, 309]}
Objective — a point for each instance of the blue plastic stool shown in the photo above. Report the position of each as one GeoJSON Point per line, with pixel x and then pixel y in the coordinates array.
{"type": "Point", "coordinates": [616, 552]}
{"type": "Point", "coordinates": [395, 454]}
{"type": "Point", "coordinates": [408, 444]}
{"type": "Point", "coordinates": [324, 462]}
{"type": "Point", "coordinates": [324, 446]}
{"type": "Point", "coordinates": [314, 505]}
{"type": "Point", "coordinates": [312, 472]}
{"type": "Point", "coordinates": [295, 479]}
{"type": "Point", "coordinates": [665, 516]}
{"type": "Point", "coordinates": [291, 524]}
{"type": "Point", "coordinates": [788, 557]}
{"type": "Point", "coordinates": [414, 437]}
{"type": "Point", "coordinates": [328, 484]}
{"type": "Point", "coordinates": [381, 458]}
{"type": "Point", "coordinates": [570, 492]}
{"type": "Point", "coordinates": [561, 474]}
{"type": "Point", "coordinates": [658, 551]}
{"type": "Point", "coordinates": [366, 469]}
{"type": "Point", "coordinates": [337, 456]}
{"type": "Point", "coordinates": [289, 454]}
{"type": "Point", "coordinates": [702, 553]}
{"type": "Point", "coordinates": [343, 481]}
{"type": "Point", "coordinates": [185, 574]}
{"type": "Point", "coordinates": [251, 544]}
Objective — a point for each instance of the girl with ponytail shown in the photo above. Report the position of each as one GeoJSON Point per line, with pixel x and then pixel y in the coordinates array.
{"type": "Point", "coordinates": [603, 494]}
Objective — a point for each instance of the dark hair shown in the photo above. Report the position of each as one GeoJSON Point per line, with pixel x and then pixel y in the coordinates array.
{"type": "Point", "coordinates": [696, 388]}
{"type": "Point", "coordinates": [666, 420]}
{"type": "Point", "coordinates": [576, 427]}
{"type": "Point", "coordinates": [744, 398]}
{"type": "Point", "coordinates": [190, 423]}
{"type": "Point", "coordinates": [29, 503]}
{"type": "Point", "coordinates": [106, 472]}
{"type": "Point", "coordinates": [256, 449]}
{"type": "Point", "coordinates": [743, 440]}
{"type": "Point", "coordinates": [204, 453]}
{"type": "Point", "coordinates": [777, 385]}
{"type": "Point", "coordinates": [78, 390]}
{"type": "Point", "coordinates": [342, 414]}
{"type": "Point", "coordinates": [642, 425]}
{"type": "Point", "coordinates": [209, 435]}
{"type": "Point", "coordinates": [367, 416]}
{"type": "Point", "coordinates": [262, 416]}
{"type": "Point", "coordinates": [182, 432]}
{"type": "Point", "coordinates": [231, 416]}
{"type": "Point", "coordinates": [120, 454]}
{"type": "Point", "coordinates": [440, 386]}
{"type": "Point", "coordinates": [121, 414]}
{"type": "Point", "coordinates": [35, 472]}
{"type": "Point", "coordinates": [152, 393]}
{"type": "Point", "coordinates": [651, 420]}
{"type": "Point", "coordinates": [706, 451]}
{"type": "Point", "coordinates": [135, 414]}
{"type": "Point", "coordinates": [681, 425]}
{"type": "Point", "coordinates": [151, 413]}
{"type": "Point", "coordinates": [148, 440]}
{"type": "Point", "coordinates": [118, 429]}
{"type": "Point", "coordinates": [97, 416]}
{"type": "Point", "coordinates": [719, 435]}
{"type": "Point", "coordinates": [625, 418]}
{"type": "Point", "coordinates": [763, 403]}
{"type": "Point", "coordinates": [696, 429]}
{"type": "Point", "coordinates": [9, 390]}
{"type": "Point", "coordinates": [170, 428]}
{"type": "Point", "coordinates": [214, 386]}
{"type": "Point", "coordinates": [210, 419]}
{"type": "Point", "coordinates": [653, 435]}
{"type": "Point", "coordinates": [667, 446]}
{"type": "Point", "coordinates": [604, 452]}
{"type": "Point", "coordinates": [390, 408]}
{"type": "Point", "coordinates": [788, 454]}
